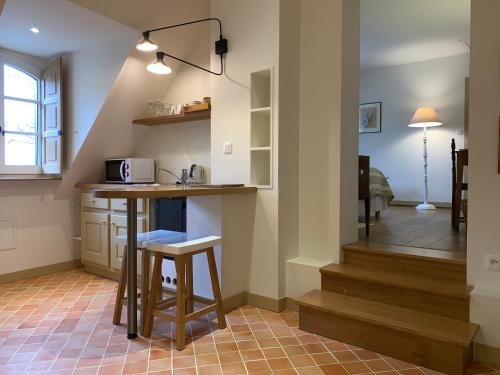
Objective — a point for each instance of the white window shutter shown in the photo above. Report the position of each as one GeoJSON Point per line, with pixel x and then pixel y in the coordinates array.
{"type": "Point", "coordinates": [51, 118]}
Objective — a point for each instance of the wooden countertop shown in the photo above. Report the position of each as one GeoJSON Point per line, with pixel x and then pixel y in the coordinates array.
{"type": "Point", "coordinates": [160, 191]}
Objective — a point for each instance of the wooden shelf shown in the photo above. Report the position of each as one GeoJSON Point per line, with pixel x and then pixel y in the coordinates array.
{"type": "Point", "coordinates": [164, 120]}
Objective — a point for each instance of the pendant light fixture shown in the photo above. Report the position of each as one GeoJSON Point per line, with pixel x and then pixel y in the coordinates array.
{"type": "Point", "coordinates": [160, 67]}
{"type": "Point", "coordinates": [146, 45]}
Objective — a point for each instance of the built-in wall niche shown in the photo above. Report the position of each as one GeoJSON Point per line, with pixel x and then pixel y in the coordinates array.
{"type": "Point", "coordinates": [261, 89]}
{"type": "Point", "coordinates": [261, 168]}
{"type": "Point", "coordinates": [261, 125]}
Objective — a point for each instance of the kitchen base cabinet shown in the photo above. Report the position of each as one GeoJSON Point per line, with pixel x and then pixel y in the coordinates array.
{"type": "Point", "coordinates": [118, 227]}
{"type": "Point", "coordinates": [95, 238]}
{"type": "Point", "coordinates": [102, 220]}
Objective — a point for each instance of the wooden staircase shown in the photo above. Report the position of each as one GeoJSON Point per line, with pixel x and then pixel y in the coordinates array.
{"type": "Point", "coordinates": [404, 302]}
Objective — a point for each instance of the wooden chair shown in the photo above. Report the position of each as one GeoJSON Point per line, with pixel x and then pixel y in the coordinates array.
{"type": "Point", "coordinates": [182, 253]}
{"type": "Point", "coordinates": [459, 159]}
{"type": "Point", "coordinates": [364, 188]}
{"type": "Point", "coordinates": [145, 271]}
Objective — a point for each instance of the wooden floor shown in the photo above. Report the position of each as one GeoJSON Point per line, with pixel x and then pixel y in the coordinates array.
{"type": "Point", "coordinates": [426, 229]}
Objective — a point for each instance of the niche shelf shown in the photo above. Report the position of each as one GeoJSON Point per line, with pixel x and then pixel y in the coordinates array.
{"type": "Point", "coordinates": [261, 124]}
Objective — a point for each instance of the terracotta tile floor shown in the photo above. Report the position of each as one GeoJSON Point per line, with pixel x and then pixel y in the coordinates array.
{"type": "Point", "coordinates": [61, 324]}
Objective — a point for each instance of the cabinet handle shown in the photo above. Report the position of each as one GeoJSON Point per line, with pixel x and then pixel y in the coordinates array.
{"type": "Point", "coordinates": [124, 203]}
{"type": "Point", "coordinates": [113, 224]}
{"type": "Point", "coordinates": [103, 222]}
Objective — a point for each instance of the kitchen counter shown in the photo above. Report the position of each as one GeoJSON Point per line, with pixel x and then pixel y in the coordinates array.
{"type": "Point", "coordinates": [211, 210]}
{"type": "Point", "coordinates": [160, 191]}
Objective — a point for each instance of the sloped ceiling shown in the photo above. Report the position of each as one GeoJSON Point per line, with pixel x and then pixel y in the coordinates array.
{"type": "Point", "coordinates": [395, 32]}
{"type": "Point", "coordinates": [149, 14]}
{"type": "Point", "coordinates": [64, 27]}
{"type": "Point", "coordinates": [111, 133]}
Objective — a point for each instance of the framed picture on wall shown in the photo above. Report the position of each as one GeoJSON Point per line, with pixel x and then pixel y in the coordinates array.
{"type": "Point", "coordinates": [370, 117]}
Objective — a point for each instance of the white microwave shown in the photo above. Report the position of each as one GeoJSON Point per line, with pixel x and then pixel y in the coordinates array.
{"type": "Point", "coordinates": [130, 171]}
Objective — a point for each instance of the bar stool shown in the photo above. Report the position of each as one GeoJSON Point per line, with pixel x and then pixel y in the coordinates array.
{"type": "Point", "coordinates": [182, 253]}
{"type": "Point", "coordinates": [142, 239]}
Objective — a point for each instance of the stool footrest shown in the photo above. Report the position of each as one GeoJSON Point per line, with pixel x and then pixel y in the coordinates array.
{"type": "Point", "coordinates": [165, 304]}
{"type": "Point", "coordinates": [201, 312]}
{"type": "Point", "coordinates": [193, 315]}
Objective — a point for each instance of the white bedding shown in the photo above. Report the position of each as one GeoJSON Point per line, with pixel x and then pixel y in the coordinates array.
{"type": "Point", "coordinates": [380, 193]}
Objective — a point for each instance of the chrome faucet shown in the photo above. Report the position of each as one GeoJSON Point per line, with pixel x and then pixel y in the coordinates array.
{"type": "Point", "coordinates": [184, 176]}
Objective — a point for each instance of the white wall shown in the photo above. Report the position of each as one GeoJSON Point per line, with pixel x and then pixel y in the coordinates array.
{"type": "Point", "coordinates": [251, 28]}
{"type": "Point", "coordinates": [288, 153]}
{"type": "Point", "coordinates": [397, 150]}
{"type": "Point", "coordinates": [88, 77]}
{"type": "Point", "coordinates": [328, 172]}
{"type": "Point", "coordinates": [484, 180]}
{"type": "Point", "coordinates": [43, 225]}
{"type": "Point", "coordinates": [177, 146]}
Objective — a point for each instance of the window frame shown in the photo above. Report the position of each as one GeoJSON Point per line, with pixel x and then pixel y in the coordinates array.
{"type": "Point", "coordinates": [35, 74]}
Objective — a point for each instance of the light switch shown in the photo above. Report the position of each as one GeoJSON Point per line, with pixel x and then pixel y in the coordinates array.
{"type": "Point", "coordinates": [228, 147]}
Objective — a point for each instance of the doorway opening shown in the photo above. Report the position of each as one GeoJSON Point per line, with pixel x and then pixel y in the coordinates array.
{"type": "Point", "coordinates": [414, 72]}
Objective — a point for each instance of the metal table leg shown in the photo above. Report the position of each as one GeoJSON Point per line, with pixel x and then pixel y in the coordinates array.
{"type": "Point", "coordinates": [131, 268]}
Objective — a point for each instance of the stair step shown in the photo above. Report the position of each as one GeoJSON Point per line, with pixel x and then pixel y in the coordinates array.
{"type": "Point", "coordinates": [424, 262]}
{"type": "Point", "coordinates": [428, 340]}
{"type": "Point", "coordinates": [437, 296]}
{"type": "Point", "coordinates": [447, 288]}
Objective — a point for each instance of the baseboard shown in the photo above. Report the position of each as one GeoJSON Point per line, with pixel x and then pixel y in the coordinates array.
{"type": "Point", "coordinates": [233, 302]}
{"type": "Point", "coordinates": [40, 271]}
{"type": "Point", "coordinates": [245, 298]}
{"type": "Point", "coordinates": [103, 272]}
{"type": "Point", "coordinates": [415, 203]}
{"type": "Point", "coordinates": [486, 354]}
{"type": "Point", "coordinates": [291, 304]}
{"type": "Point", "coordinates": [266, 303]}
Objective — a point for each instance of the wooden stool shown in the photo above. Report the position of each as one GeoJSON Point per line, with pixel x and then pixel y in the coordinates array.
{"type": "Point", "coordinates": [182, 253]}
{"type": "Point", "coordinates": [122, 284]}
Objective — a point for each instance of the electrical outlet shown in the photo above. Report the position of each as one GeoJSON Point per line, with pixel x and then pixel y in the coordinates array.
{"type": "Point", "coordinates": [492, 262]}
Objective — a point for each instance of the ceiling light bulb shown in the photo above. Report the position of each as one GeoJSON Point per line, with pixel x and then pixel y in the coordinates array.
{"type": "Point", "coordinates": [146, 45]}
{"type": "Point", "coordinates": [158, 66]}
{"type": "Point", "coordinates": [34, 30]}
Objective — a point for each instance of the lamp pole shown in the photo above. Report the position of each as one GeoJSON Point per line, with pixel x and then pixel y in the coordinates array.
{"type": "Point", "coordinates": [425, 205]}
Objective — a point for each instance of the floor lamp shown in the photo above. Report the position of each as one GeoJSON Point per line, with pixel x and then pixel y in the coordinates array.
{"type": "Point", "coordinates": [425, 117]}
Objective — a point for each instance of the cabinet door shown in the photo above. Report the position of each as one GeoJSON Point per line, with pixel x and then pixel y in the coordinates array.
{"type": "Point", "coordinates": [121, 205]}
{"type": "Point", "coordinates": [95, 238]}
{"type": "Point", "coordinates": [88, 200]}
{"type": "Point", "coordinates": [118, 227]}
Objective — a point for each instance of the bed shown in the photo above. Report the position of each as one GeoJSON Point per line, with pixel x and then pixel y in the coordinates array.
{"type": "Point", "coordinates": [381, 193]}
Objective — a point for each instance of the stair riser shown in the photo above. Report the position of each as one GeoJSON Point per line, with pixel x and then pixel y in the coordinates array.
{"type": "Point", "coordinates": [416, 266]}
{"type": "Point", "coordinates": [440, 356]}
{"type": "Point", "coordinates": [417, 300]}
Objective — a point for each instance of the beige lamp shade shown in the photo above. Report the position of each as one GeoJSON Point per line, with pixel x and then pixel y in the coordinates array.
{"type": "Point", "coordinates": [425, 117]}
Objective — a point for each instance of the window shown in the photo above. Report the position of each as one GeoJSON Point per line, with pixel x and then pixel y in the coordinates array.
{"type": "Point", "coordinates": [30, 118]}
{"type": "Point", "coordinates": [20, 142]}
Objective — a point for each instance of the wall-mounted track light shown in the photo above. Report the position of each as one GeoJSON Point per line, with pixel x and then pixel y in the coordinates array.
{"type": "Point", "coordinates": [160, 67]}
{"type": "Point", "coordinates": [146, 45]}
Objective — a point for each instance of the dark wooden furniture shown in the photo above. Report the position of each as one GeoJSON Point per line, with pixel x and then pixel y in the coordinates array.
{"type": "Point", "coordinates": [364, 188]}
{"type": "Point", "coordinates": [460, 159]}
